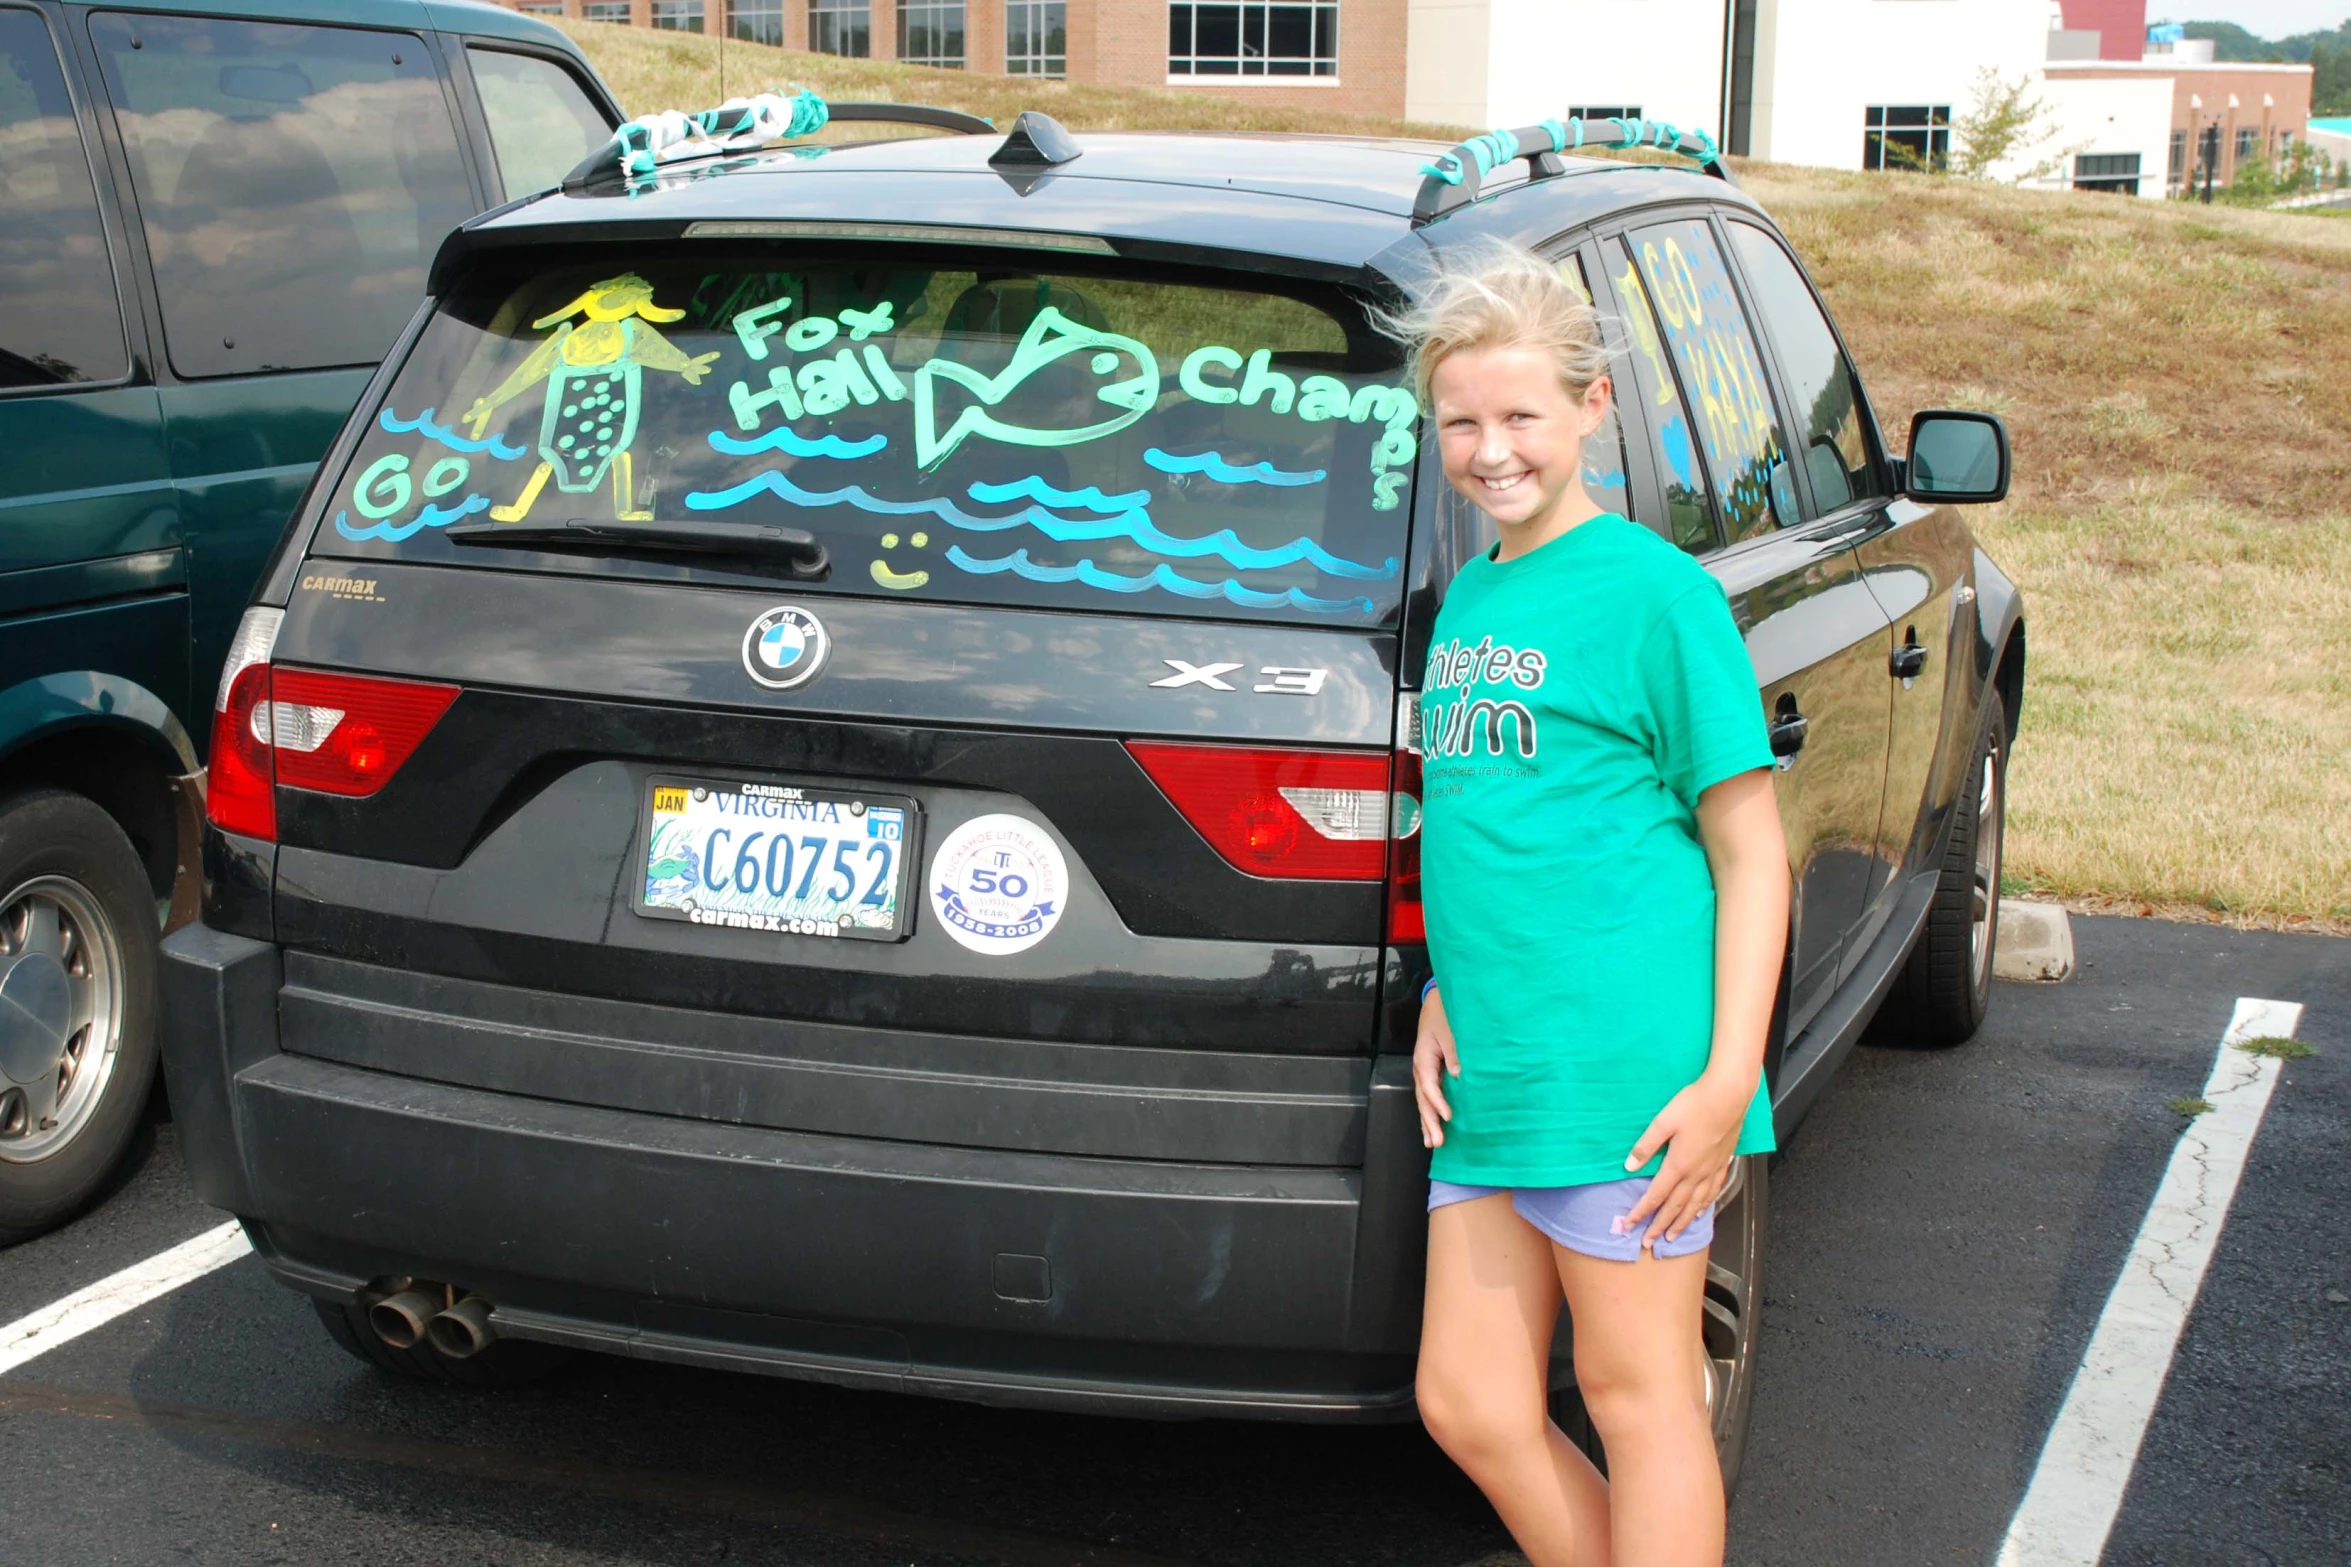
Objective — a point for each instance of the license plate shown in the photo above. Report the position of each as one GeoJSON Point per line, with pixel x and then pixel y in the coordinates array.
{"type": "Point", "coordinates": [778, 857]}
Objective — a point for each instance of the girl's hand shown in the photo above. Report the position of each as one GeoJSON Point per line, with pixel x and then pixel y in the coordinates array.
{"type": "Point", "coordinates": [1699, 1129]}
{"type": "Point", "coordinates": [1433, 1048]}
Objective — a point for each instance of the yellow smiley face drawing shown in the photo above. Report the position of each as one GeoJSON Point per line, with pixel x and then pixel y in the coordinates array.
{"type": "Point", "coordinates": [901, 581]}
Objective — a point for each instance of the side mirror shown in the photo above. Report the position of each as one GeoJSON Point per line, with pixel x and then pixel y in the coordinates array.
{"type": "Point", "coordinates": [1956, 458]}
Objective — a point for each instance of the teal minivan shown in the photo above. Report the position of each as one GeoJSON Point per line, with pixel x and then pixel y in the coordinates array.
{"type": "Point", "coordinates": [214, 220]}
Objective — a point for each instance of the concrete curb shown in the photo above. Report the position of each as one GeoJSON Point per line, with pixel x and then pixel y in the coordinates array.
{"type": "Point", "coordinates": [2036, 942]}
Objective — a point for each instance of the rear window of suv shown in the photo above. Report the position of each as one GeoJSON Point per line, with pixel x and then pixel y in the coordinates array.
{"type": "Point", "coordinates": [990, 434]}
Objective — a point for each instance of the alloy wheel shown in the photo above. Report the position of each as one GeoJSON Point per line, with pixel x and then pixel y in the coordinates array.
{"type": "Point", "coordinates": [1984, 895]}
{"type": "Point", "coordinates": [61, 1010]}
{"type": "Point", "coordinates": [1733, 1301]}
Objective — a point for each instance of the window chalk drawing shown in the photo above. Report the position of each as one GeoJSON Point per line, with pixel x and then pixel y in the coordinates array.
{"type": "Point", "coordinates": [998, 436]}
{"type": "Point", "coordinates": [1722, 374]}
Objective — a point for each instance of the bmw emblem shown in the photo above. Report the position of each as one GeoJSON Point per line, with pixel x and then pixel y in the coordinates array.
{"type": "Point", "coordinates": [785, 647]}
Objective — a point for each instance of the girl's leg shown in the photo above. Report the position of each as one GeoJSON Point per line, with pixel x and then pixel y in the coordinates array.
{"type": "Point", "coordinates": [1637, 1361]}
{"type": "Point", "coordinates": [1485, 1351]}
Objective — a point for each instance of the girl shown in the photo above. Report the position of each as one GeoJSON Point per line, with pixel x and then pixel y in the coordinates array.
{"type": "Point", "coordinates": [1607, 894]}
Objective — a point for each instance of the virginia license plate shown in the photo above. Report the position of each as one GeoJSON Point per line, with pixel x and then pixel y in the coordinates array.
{"type": "Point", "coordinates": [778, 857]}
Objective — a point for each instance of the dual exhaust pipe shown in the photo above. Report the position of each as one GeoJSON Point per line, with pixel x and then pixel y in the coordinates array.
{"type": "Point", "coordinates": [420, 1312]}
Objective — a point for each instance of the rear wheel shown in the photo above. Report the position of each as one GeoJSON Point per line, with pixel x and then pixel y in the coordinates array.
{"type": "Point", "coordinates": [1731, 1317]}
{"type": "Point", "coordinates": [78, 936]}
{"type": "Point", "coordinates": [1946, 987]}
{"type": "Point", "coordinates": [503, 1362]}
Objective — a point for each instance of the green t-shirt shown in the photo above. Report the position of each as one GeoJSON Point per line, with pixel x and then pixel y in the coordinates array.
{"type": "Point", "coordinates": [1577, 701]}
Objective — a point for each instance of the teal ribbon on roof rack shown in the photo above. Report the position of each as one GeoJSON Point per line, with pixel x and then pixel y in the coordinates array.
{"type": "Point", "coordinates": [738, 125]}
{"type": "Point", "coordinates": [1494, 148]}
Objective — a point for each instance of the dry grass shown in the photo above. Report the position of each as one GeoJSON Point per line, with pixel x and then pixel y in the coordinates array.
{"type": "Point", "coordinates": [2175, 379]}
{"type": "Point", "coordinates": [2181, 518]}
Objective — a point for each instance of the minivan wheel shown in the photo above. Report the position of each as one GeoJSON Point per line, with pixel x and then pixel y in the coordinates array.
{"type": "Point", "coordinates": [1732, 1314]}
{"type": "Point", "coordinates": [1946, 987]}
{"type": "Point", "coordinates": [503, 1362]}
{"type": "Point", "coordinates": [78, 939]}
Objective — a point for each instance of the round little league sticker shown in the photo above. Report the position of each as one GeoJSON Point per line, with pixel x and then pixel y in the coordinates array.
{"type": "Point", "coordinates": [998, 884]}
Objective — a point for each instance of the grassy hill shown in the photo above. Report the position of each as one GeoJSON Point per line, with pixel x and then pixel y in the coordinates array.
{"type": "Point", "coordinates": [2178, 383]}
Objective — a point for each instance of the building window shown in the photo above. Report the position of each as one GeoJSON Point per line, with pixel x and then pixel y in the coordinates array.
{"type": "Point", "coordinates": [605, 11]}
{"type": "Point", "coordinates": [540, 7]}
{"type": "Point", "coordinates": [930, 32]}
{"type": "Point", "coordinates": [1603, 111]}
{"type": "Point", "coordinates": [2108, 171]}
{"type": "Point", "coordinates": [841, 27]}
{"type": "Point", "coordinates": [756, 21]}
{"type": "Point", "coordinates": [1253, 38]}
{"type": "Point", "coordinates": [1036, 38]}
{"type": "Point", "coordinates": [2179, 158]}
{"type": "Point", "coordinates": [2248, 139]}
{"type": "Point", "coordinates": [678, 16]}
{"type": "Point", "coordinates": [1906, 136]}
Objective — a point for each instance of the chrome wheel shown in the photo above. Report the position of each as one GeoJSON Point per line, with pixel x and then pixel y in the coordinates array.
{"type": "Point", "coordinates": [61, 1010]}
{"type": "Point", "coordinates": [1733, 1307]}
{"type": "Point", "coordinates": [1984, 895]}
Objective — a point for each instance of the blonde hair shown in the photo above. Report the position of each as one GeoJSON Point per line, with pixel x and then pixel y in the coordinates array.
{"type": "Point", "coordinates": [1501, 296]}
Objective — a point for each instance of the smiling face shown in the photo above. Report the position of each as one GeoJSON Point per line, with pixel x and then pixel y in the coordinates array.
{"type": "Point", "coordinates": [1512, 440]}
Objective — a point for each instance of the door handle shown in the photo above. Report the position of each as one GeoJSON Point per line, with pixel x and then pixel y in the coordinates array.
{"type": "Point", "coordinates": [1787, 733]}
{"type": "Point", "coordinates": [1909, 661]}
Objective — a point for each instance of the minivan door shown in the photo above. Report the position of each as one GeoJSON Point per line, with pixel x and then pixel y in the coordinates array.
{"type": "Point", "coordinates": [288, 231]}
{"type": "Point", "coordinates": [86, 513]}
{"type": "Point", "coordinates": [1817, 638]}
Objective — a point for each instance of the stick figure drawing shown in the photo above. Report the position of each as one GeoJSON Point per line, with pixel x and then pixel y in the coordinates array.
{"type": "Point", "coordinates": [595, 373]}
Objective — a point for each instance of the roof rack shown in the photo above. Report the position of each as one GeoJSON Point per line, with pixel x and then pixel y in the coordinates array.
{"type": "Point", "coordinates": [642, 147]}
{"type": "Point", "coordinates": [1452, 180]}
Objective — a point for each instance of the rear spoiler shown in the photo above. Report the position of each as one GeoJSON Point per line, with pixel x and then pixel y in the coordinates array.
{"type": "Point", "coordinates": [1452, 180]}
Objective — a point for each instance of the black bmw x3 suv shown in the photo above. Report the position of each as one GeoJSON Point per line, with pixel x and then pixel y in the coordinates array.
{"type": "Point", "coordinates": [825, 781]}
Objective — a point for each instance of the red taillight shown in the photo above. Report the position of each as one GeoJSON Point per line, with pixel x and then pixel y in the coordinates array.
{"type": "Point", "coordinates": [237, 786]}
{"type": "Point", "coordinates": [1406, 922]}
{"type": "Point", "coordinates": [348, 734]}
{"type": "Point", "coordinates": [237, 790]}
{"type": "Point", "coordinates": [1312, 815]}
{"type": "Point", "coordinates": [305, 729]}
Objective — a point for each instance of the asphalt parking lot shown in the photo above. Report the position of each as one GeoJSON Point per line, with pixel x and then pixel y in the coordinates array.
{"type": "Point", "coordinates": [1945, 1231]}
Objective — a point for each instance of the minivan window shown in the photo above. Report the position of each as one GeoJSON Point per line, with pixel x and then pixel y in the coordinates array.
{"type": "Point", "coordinates": [293, 181]}
{"type": "Point", "coordinates": [59, 319]}
{"type": "Point", "coordinates": [1003, 435]}
{"type": "Point", "coordinates": [1819, 378]}
{"type": "Point", "coordinates": [1721, 372]}
{"type": "Point", "coordinates": [1689, 514]}
{"type": "Point", "coordinates": [542, 122]}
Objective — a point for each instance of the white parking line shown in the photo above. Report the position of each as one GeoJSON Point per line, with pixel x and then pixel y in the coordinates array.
{"type": "Point", "coordinates": [63, 1321]}
{"type": "Point", "coordinates": [2078, 1485]}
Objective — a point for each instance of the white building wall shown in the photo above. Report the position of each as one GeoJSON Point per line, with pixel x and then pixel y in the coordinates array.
{"type": "Point", "coordinates": [1821, 64]}
{"type": "Point", "coordinates": [1513, 62]}
{"type": "Point", "coordinates": [2101, 114]}
{"type": "Point", "coordinates": [1448, 62]}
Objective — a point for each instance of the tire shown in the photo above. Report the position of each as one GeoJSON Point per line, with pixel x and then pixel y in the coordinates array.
{"type": "Point", "coordinates": [78, 939]}
{"type": "Point", "coordinates": [1946, 987]}
{"type": "Point", "coordinates": [1733, 1317]}
{"type": "Point", "coordinates": [505, 1362]}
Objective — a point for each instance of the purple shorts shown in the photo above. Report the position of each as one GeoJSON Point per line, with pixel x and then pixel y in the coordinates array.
{"type": "Point", "coordinates": [1586, 1219]}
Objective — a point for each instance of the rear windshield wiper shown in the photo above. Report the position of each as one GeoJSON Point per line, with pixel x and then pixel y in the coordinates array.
{"type": "Point", "coordinates": [746, 543]}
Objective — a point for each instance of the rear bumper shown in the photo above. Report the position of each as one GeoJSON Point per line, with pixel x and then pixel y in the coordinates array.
{"type": "Point", "coordinates": [1118, 1285]}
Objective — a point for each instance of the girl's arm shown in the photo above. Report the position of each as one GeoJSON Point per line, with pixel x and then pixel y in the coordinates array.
{"type": "Point", "coordinates": [1739, 822]}
{"type": "Point", "coordinates": [1433, 1058]}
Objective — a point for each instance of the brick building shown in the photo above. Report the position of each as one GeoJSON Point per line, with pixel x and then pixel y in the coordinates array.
{"type": "Point", "coordinates": [1289, 52]}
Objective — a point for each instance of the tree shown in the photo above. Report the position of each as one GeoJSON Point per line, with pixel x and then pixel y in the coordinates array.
{"type": "Point", "coordinates": [2005, 125]}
